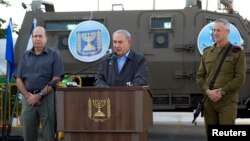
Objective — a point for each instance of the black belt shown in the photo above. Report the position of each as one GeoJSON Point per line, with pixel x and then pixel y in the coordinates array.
{"type": "Point", "coordinates": [34, 91]}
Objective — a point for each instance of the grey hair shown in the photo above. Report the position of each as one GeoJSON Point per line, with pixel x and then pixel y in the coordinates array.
{"type": "Point", "coordinates": [125, 32]}
{"type": "Point", "coordinates": [225, 23]}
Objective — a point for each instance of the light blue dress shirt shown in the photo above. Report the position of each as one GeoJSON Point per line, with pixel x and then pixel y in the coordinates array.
{"type": "Point", "coordinates": [120, 61]}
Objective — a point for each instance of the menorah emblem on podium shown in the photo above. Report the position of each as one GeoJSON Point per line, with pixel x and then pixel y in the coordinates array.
{"type": "Point", "coordinates": [99, 104]}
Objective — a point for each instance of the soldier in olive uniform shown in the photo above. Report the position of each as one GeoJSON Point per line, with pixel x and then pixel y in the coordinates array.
{"type": "Point", "coordinates": [221, 104]}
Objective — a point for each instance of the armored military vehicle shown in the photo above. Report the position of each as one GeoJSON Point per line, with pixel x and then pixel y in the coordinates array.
{"type": "Point", "coordinates": [168, 39]}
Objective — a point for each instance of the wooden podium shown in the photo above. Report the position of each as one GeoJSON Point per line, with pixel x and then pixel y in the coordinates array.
{"type": "Point", "coordinates": [104, 114]}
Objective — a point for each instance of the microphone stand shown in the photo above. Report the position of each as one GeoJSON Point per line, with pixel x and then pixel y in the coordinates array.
{"type": "Point", "coordinates": [54, 82]}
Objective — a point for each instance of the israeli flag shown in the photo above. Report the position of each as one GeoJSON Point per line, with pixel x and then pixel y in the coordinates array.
{"type": "Point", "coordinates": [30, 44]}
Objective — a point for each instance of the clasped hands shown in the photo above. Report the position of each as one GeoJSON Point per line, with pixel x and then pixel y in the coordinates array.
{"type": "Point", "coordinates": [34, 99]}
{"type": "Point", "coordinates": [215, 95]}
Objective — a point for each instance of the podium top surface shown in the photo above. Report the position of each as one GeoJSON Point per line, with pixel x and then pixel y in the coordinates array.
{"type": "Point", "coordinates": [102, 88]}
{"type": "Point", "coordinates": [143, 88]}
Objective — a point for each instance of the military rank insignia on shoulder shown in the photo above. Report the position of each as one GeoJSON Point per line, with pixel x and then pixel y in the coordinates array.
{"type": "Point", "coordinates": [235, 49]}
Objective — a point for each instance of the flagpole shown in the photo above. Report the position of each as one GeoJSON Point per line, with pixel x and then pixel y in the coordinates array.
{"type": "Point", "coordinates": [5, 96]}
{"type": "Point", "coordinates": [9, 56]}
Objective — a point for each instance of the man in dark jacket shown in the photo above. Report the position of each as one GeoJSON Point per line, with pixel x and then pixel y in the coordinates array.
{"type": "Point", "coordinates": [124, 67]}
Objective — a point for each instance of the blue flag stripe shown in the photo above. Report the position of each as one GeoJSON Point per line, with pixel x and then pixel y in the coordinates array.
{"type": "Point", "coordinates": [9, 54]}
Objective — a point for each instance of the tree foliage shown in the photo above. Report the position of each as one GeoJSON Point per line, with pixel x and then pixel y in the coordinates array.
{"type": "Point", "coordinates": [2, 21]}
{"type": "Point", "coordinates": [5, 3]}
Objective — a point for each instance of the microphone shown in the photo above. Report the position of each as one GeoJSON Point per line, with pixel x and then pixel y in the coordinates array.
{"type": "Point", "coordinates": [113, 57]}
{"type": "Point", "coordinates": [55, 81]}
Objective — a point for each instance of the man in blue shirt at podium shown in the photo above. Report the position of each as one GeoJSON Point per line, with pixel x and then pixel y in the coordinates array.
{"type": "Point", "coordinates": [123, 67]}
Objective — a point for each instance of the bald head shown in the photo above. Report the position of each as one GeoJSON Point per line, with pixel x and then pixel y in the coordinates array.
{"type": "Point", "coordinates": [39, 39]}
{"type": "Point", "coordinates": [40, 29]}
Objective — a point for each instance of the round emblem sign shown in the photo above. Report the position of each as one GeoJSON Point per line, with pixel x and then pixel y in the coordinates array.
{"type": "Point", "coordinates": [205, 38]}
{"type": "Point", "coordinates": [89, 41]}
